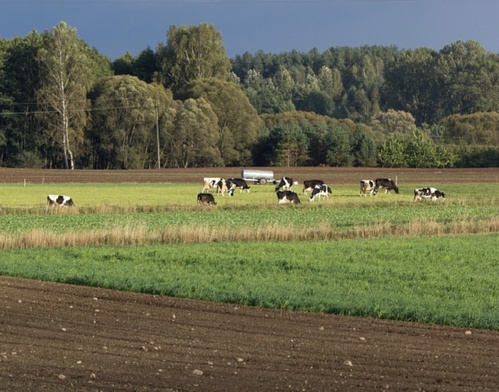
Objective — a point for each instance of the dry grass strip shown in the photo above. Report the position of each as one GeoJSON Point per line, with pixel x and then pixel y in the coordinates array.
{"type": "Point", "coordinates": [140, 235]}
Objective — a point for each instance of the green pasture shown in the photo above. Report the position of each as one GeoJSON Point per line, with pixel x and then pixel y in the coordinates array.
{"type": "Point", "coordinates": [168, 194]}
{"type": "Point", "coordinates": [450, 280]}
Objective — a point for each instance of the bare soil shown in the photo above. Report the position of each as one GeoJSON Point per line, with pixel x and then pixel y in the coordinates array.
{"type": "Point", "coordinates": [331, 175]}
{"type": "Point", "coordinates": [58, 337]}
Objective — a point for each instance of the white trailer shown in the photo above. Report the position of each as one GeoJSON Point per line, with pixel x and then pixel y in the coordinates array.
{"type": "Point", "coordinates": [261, 177]}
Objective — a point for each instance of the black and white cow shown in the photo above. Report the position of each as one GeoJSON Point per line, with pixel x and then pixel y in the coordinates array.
{"type": "Point", "coordinates": [285, 183]}
{"type": "Point", "coordinates": [284, 197]}
{"type": "Point", "coordinates": [320, 191]}
{"type": "Point", "coordinates": [206, 198]}
{"type": "Point", "coordinates": [210, 182]}
{"type": "Point", "coordinates": [233, 183]}
{"type": "Point", "coordinates": [386, 183]}
{"type": "Point", "coordinates": [428, 193]}
{"type": "Point", "coordinates": [60, 200]}
{"type": "Point", "coordinates": [222, 187]}
{"type": "Point", "coordinates": [368, 186]}
{"type": "Point", "coordinates": [309, 185]}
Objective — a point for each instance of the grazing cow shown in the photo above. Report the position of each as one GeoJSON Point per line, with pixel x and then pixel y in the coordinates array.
{"type": "Point", "coordinates": [386, 183]}
{"type": "Point", "coordinates": [222, 187]}
{"type": "Point", "coordinates": [320, 191]}
{"type": "Point", "coordinates": [206, 198]}
{"type": "Point", "coordinates": [428, 193]}
{"type": "Point", "coordinates": [285, 183]}
{"type": "Point", "coordinates": [309, 185]}
{"type": "Point", "coordinates": [284, 197]}
{"type": "Point", "coordinates": [368, 186]}
{"type": "Point", "coordinates": [210, 182]}
{"type": "Point", "coordinates": [59, 200]}
{"type": "Point", "coordinates": [233, 183]}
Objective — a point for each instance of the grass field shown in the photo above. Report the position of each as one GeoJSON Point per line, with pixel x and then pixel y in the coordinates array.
{"type": "Point", "coordinates": [448, 280]}
{"type": "Point", "coordinates": [384, 256]}
{"type": "Point", "coordinates": [168, 195]}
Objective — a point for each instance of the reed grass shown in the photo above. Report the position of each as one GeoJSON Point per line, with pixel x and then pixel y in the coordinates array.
{"type": "Point", "coordinates": [188, 234]}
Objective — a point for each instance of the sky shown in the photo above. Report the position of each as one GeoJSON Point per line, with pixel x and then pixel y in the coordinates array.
{"type": "Point", "coordinates": [115, 27]}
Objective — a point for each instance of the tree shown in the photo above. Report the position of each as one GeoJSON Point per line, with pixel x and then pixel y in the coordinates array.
{"type": "Point", "coordinates": [66, 76]}
{"type": "Point", "coordinates": [338, 146]}
{"type": "Point", "coordinates": [412, 85]}
{"type": "Point", "coordinates": [290, 145]}
{"type": "Point", "coordinates": [127, 115]}
{"type": "Point", "coordinates": [192, 53]}
{"type": "Point", "coordinates": [124, 64]}
{"type": "Point", "coordinates": [238, 122]}
{"type": "Point", "coordinates": [390, 122]}
{"type": "Point", "coordinates": [317, 102]}
{"type": "Point", "coordinates": [363, 147]}
{"type": "Point", "coordinates": [143, 66]}
{"type": "Point", "coordinates": [469, 78]}
{"type": "Point", "coordinates": [392, 153]}
{"type": "Point", "coordinates": [195, 139]}
{"type": "Point", "coordinates": [472, 129]}
{"type": "Point", "coordinates": [20, 80]}
{"type": "Point", "coordinates": [421, 151]}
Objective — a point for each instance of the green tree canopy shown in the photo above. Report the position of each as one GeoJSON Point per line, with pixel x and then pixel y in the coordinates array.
{"type": "Point", "coordinates": [469, 78]}
{"type": "Point", "coordinates": [191, 53]}
{"type": "Point", "coordinates": [127, 113]}
{"type": "Point", "coordinates": [477, 128]}
{"type": "Point", "coordinates": [392, 121]}
{"type": "Point", "coordinates": [238, 121]}
{"type": "Point", "coordinates": [195, 135]}
{"type": "Point", "coordinates": [19, 79]}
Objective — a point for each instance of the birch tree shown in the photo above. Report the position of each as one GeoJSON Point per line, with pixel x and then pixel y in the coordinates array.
{"type": "Point", "coordinates": [65, 77]}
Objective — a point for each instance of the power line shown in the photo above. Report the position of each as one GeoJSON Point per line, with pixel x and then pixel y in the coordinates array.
{"type": "Point", "coordinates": [34, 112]}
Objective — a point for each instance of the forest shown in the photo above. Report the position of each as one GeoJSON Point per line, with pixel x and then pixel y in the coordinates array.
{"type": "Point", "coordinates": [186, 104]}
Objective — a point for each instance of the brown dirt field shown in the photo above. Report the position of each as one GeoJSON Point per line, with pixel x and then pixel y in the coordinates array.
{"type": "Point", "coordinates": [331, 175]}
{"type": "Point", "coordinates": [57, 337]}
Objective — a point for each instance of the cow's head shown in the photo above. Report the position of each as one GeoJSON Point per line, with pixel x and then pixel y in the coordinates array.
{"type": "Point", "coordinates": [438, 194]}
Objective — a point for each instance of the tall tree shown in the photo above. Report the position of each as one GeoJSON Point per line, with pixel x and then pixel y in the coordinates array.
{"type": "Point", "coordinates": [469, 78]}
{"type": "Point", "coordinates": [392, 121]}
{"type": "Point", "coordinates": [4, 98]}
{"type": "Point", "coordinates": [22, 129]}
{"type": "Point", "coordinates": [191, 53]}
{"type": "Point", "coordinates": [143, 66]}
{"type": "Point", "coordinates": [290, 145]}
{"type": "Point", "coordinates": [412, 85]}
{"type": "Point", "coordinates": [238, 121]}
{"type": "Point", "coordinates": [195, 139]}
{"type": "Point", "coordinates": [65, 78]}
{"type": "Point", "coordinates": [127, 116]}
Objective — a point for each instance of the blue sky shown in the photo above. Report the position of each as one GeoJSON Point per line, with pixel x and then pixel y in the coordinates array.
{"type": "Point", "coordinates": [114, 27]}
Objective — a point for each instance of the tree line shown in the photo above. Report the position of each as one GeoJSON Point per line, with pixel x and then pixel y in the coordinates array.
{"type": "Point", "coordinates": [186, 104]}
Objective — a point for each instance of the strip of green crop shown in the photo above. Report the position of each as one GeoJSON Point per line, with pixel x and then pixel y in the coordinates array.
{"type": "Point", "coordinates": [277, 223]}
{"type": "Point", "coordinates": [450, 280]}
{"type": "Point", "coordinates": [340, 217]}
